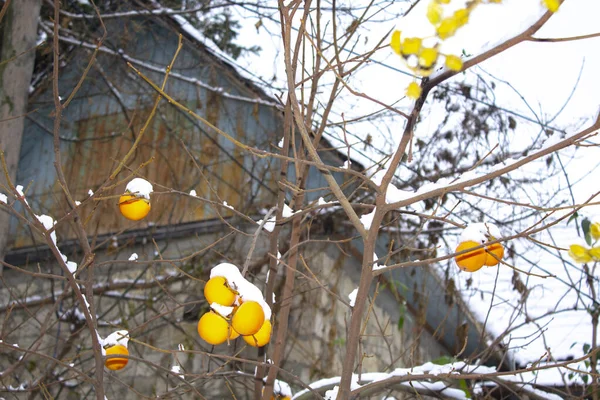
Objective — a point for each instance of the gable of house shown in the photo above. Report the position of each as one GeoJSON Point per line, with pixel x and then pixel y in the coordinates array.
{"type": "Point", "coordinates": [178, 153]}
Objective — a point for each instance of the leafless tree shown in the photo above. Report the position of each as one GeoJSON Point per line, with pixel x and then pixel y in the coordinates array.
{"type": "Point", "coordinates": [411, 195]}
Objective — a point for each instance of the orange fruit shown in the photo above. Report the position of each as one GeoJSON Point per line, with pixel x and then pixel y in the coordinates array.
{"type": "Point", "coordinates": [213, 328]}
{"type": "Point", "coordinates": [116, 363]}
{"type": "Point", "coordinates": [260, 338]}
{"type": "Point", "coordinates": [497, 250]}
{"type": "Point", "coordinates": [132, 207]}
{"type": "Point", "coordinates": [232, 333]}
{"type": "Point", "coordinates": [218, 291]}
{"type": "Point", "coordinates": [248, 318]}
{"type": "Point", "coordinates": [472, 260]}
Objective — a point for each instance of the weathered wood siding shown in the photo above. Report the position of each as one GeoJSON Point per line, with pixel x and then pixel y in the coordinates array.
{"type": "Point", "coordinates": [99, 127]}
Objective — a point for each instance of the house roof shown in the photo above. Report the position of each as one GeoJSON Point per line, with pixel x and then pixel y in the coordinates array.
{"type": "Point", "coordinates": [265, 93]}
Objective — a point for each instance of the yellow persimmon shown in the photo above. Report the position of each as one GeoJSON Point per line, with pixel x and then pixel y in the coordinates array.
{"type": "Point", "coordinates": [232, 333]}
{"type": "Point", "coordinates": [260, 338]}
{"type": "Point", "coordinates": [497, 250]}
{"type": "Point", "coordinates": [213, 328]}
{"type": "Point", "coordinates": [277, 396]}
{"type": "Point", "coordinates": [248, 318]}
{"type": "Point", "coordinates": [133, 207]}
{"type": "Point", "coordinates": [473, 260]}
{"type": "Point", "coordinates": [116, 363]}
{"type": "Point", "coordinates": [218, 291]}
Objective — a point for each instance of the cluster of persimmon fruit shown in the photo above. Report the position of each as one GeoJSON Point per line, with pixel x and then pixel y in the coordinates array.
{"type": "Point", "coordinates": [247, 318]}
{"type": "Point", "coordinates": [474, 260]}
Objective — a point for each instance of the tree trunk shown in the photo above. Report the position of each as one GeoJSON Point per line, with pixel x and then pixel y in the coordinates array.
{"type": "Point", "coordinates": [19, 33]}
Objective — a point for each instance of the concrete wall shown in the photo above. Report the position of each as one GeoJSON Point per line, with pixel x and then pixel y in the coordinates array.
{"type": "Point", "coordinates": [139, 297]}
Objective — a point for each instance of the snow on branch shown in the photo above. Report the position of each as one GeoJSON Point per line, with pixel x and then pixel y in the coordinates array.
{"type": "Point", "coordinates": [431, 379]}
{"type": "Point", "coordinates": [472, 178]}
{"type": "Point", "coordinates": [411, 378]}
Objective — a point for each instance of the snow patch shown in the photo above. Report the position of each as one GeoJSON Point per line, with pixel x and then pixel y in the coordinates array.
{"type": "Point", "coordinates": [287, 211]}
{"type": "Point", "coordinates": [237, 282]}
{"type": "Point", "coordinates": [118, 337]}
{"type": "Point", "coordinates": [322, 202]}
{"type": "Point", "coordinates": [332, 394]}
{"type": "Point", "coordinates": [367, 219]}
{"type": "Point", "coordinates": [72, 266]}
{"type": "Point", "coordinates": [176, 369]}
{"type": "Point", "coordinates": [393, 194]}
{"type": "Point", "coordinates": [480, 232]}
{"type": "Point", "coordinates": [282, 388]}
{"type": "Point", "coordinates": [352, 297]}
{"type": "Point", "coordinates": [133, 257]}
{"type": "Point", "coordinates": [140, 187]}
{"type": "Point", "coordinates": [224, 311]}
{"type": "Point", "coordinates": [19, 189]}
{"type": "Point", "coordinates": [375, 265]}
{"type": "Point", "coordinates": [269, 224]}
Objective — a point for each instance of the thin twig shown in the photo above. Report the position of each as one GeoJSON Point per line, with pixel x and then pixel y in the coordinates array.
{"type": "Point", "coordinates": [255, 239]}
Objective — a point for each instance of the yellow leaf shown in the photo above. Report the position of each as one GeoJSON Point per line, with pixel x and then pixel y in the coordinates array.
{"type": "Point", "coordinates": [595, 253]}
{"type": "Point", "coordinates": [428, 57]}
{"type": "Point", "coordinates": [413, 90]}
{"type": "Point", "coordinates": [595, 230]}
{"type": "Point", "coordinates": [454, 63]}
{"type": "Point", "coordinates": [447, 28]}
{"type": "Point", "coordinates": [411, 46]}
{"type": "Point", "coordinates": [461, 17]}
{"type": "Point", "coordinates": [434, 13]}
{"type": "Point", "coordinates": [579, 254]}
{"type": "Point", "coordinates": [552, 5]}
{"type": "Point", "coordinates": [395, 43]}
